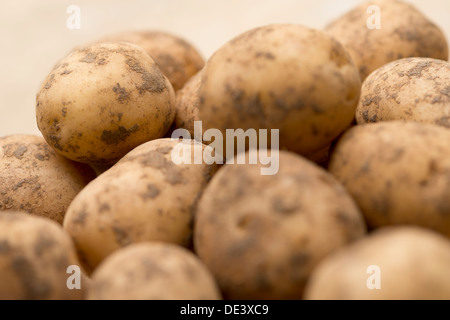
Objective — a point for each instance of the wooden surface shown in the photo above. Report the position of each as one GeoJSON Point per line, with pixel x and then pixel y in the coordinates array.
{"type": "Point", "coordinates": [34, 34]}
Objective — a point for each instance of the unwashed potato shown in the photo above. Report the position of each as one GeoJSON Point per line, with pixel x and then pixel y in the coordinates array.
{"type": "Point", "coordinates": [411, 89]}
{"type": "Point", "coordinates": [34, 256]}
{"type": "Point", "coordinates": [144, 197]}
{"type": "Point", "coordinates": [153, 271]}
{"type": "Point", "coordinates": [404, 32]}
{"type": "Point", "coordinates": [262, 235]}
{"type": "Point", "coordinates": [186, 106]}
{"type": "Point", "coordinates": [176, 58]}
{"type": "Point", "coordinates": [398, 173]}
{"type": "Point", "coordinates": [287, 77]}
{"type": "Point", "coordinates": [101, 101]}
{"type": "Point", "coordinates": [34, 178]}
{"type": "Point", "coordinates": [413, 265]}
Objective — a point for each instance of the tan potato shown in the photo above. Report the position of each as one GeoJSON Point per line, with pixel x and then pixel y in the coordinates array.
{"type": "Point", "coordinates": [153, 271]}
{"type": "Point", "coordinates": [404, 32]}
{"type": "Point", "coordinates": [35, 254]}
{"type": "Point", "coordinates": [186, 105]}
{"type": "Point", "coordinates": [287, 77]}
{"type": "Point", "coordinates": [411, 89]}
{"type": "Point", "coordinates": [398, 173]}
{"type": "Point", "coordinates": [176, 58]}
{"type": "Point", "coordinates": [261, 235]}
{"type": "Point", "coordinates": [34, 178]}
{"type": "Point", "coordinates": [101, 101]}
{"type": "Point", "coordinates": [413, 264]}
{"type": "Point", "coordinates": [144, 197]}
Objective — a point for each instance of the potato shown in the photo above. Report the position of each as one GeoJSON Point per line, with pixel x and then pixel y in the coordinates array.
{"type": "Point", "coordinates": [398, 173]}
{"type": "Point", "coordinates": [34, 256]}
{"type": "Point", "coordinates": [176, 58]}
{"type": "Point", "coordinates": [101, 101]}
{"type": "Point", "coordinates": [411, 89]}
{"type": "Point", "coordinates": [153, 271]}
{"type": "Point", "coordinates": [261, 236]}
{"type": "Point", "coordinates": [186, 105]}
{"type": "Point", "coordinates": [144, 197]}
{"type": "Point", "coordinates": [287, 77]}
{"type": "Point", "coordinates": [34, 178]}
{"type": "Point", "coordinates": [404, 32]}
{"type": "Point", "coordinates": [413, 265]}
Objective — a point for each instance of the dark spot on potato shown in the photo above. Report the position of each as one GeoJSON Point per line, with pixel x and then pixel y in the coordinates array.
{"type": "Point", "coordinates": [33, 287]}
{"type": "Point", "coordinates": [417, 70]}
{"type": "Point", "coordinates": [20, 151]}
{"type": "Point", "coordinates": [284, 206]}
{"type": "Point", "coordinates": [266, 55]}
{"type": "Point", "coordinates": [104, 207]}
{"type": "Point", "coordinates": [153, 81]}
{"type": "Point", "coordinates": [66, 72]}
{"type": "Point", "coordinates": [155, 160]}
{"type": "Point", "coordinates": [90, 57]}
{"type": "Point", "coordinates": [119, 116]}
{"type": "Point", "coordinates": [164, 150]}
{"type": "Point", "coordinates": [173, 175]}
{"type": "Point", "coordinates": [151, 193]}
{"type": "Point", "coordinates": [444, 121]}
{"type": "Point", "coordinates": [80, 217]}
{"type": "Point", "coordinates": [119, 135]}
{"type": "Point", "coordinates": [368, 100]}
{"type": "Point", "coordinates": [4, 247]}
{"type": "Point", "coordinates": [21, 183]}
{"type": "Point", "coordinates": [122, 94]}
{"type": "Point", "coordinates": [43, 244]}
{"type": "Point", "coordinates": [299, 260]}
{"type": "Point", "coordinates": [49, 83]}
{"type": "Point", "coordinates": [121, 235]}
{"type": "Point", "coordinates": [338, 54]}
{"type": "Point", "coordinates": [64, 111]}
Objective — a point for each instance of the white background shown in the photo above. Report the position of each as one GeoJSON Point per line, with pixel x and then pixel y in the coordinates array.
{"type": "Point", "coordinates": [34, 35]}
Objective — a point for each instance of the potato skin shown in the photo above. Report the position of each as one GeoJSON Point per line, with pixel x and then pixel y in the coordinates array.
{"type": "Point", "coordinates": [398, 173]}
{"type": "Point", "coordinates": [287, 77]}
{"type": "Point", "coordinates": [144, 197]}
{"type": "Point", "coordinates": [414, 264]}
{"type": "Point", "coordinates": [35, 179]}
{"type": "Point", "coordinates": [101, 101]}
{"type": "Point", "coordinates": [153, 271]}
{"type": "Point", "coordinates": [176, 58]}
{"type": "Point", "coordinates": [411, 89]}
{"type": "Point", "coordinates": [34, 256]}
{"type": "Point", "coordinates": [405, 32]}
{"type": "Point", "coordinates": [261, 236]}
{"type": "Point", "coordinates": [186, 105]}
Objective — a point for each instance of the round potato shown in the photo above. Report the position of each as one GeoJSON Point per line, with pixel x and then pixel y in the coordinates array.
{"type": "Point", "coordinates": [394, 263]}
{"type": "Point", "coordinates": [403, 32]}
{"type": "Point", "coordinates": [261, 235]}
{"type": "Point", "coordinates": [176, 58]}
{"type": "Point", "coordinates": [287, 77]}
{"type": "Point", "coordinates": [411, 89]}
{"type": "Point", "coordinates": [35, 254]}
{"type": "Point", "coordinates": [153, 271]}
{"type": "Point", "coordinates": [101, 101]}
{"type": "Point", "coordinates": [398, 173]}
{"type": "Point", "coordinates": [144, 197]}
{"type": "Point", "coordinates": [34, 178]}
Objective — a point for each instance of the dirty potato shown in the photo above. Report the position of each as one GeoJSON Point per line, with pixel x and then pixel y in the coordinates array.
{"type": "Point", "coordinates": [146, 196]}
{"type": "Point", "coordinates": [153, 271]}
{"type": "Point", "coordinates": [101, 101]}
{"type": "Point", "coordinates": [411, 89]}
{"type": "Point", "coordinates": [35, 254]}
{"type": "Point", "coordinates": [261, 235]}
{"type": "Point", "coordinates": [393, 263]}
{"type": "Point", "coordinates": [287, 77]}
{"type": "Point", "coordinates": [403, 32]}
{"type": "Point", "coordinates": [398, 173]}
{"type": "Point", "coordinates": [177, 58]}
{"type": "Point", "coordinates": [34, 178]}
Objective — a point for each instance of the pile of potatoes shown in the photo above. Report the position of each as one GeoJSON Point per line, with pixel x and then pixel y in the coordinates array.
{"type": "Point", "coordinates": [363, 179]}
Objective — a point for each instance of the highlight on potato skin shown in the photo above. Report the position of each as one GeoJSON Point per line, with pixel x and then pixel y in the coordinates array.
{"type": "Point", "coordinates": [101, 101]}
